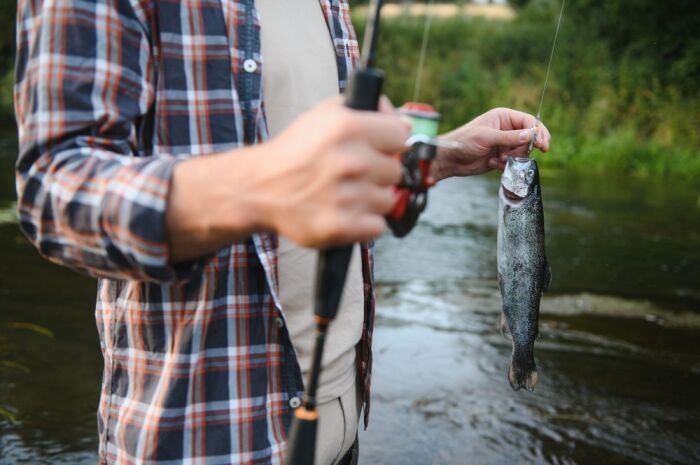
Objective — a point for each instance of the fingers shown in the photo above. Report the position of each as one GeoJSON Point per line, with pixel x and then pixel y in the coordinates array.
{"type": "Point", "coordinates": [515, 138]}
{"type": "Point", "coordinates": [387, 171]}
{"type": "Point", "coordinates": [367, 227]}
{"type": "Point", "coordinates": [514, 119]}
{"type": "Point", "coordinates": [497, 163]}
{"type": "Point", "coordinates": [544, 138]}
{"type": "Point", "coordinates": [379, 199]}
{"type": "Point", "coordinates": [384, 131]}
{"type": "Point", "coordinates": [518, 120]}
{"type": "Point", "coordinates": [518, 140]}
{"type": "Point", "coordinates": [385, 105]}
{"type": "Point", "coordinates": [359, 160]}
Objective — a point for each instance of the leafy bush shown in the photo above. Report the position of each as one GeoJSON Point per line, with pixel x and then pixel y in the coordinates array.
{"type": "Point", "coordinates": [609, 108]}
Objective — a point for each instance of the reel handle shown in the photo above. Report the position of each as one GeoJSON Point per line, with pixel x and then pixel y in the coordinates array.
{"type": "Point", "coordinates": [302, 438]}
{"type": "Point", "coordinates": [411, 195]}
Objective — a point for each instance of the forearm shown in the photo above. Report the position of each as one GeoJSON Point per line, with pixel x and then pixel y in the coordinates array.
{"type": "Point", "coordinates": [212, 203]}
{"type": "Point", "coordinates": [446, 162]}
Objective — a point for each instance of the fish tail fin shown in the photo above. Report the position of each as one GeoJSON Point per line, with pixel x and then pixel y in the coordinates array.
{"type": "Point", "coordinates": [523, 371]}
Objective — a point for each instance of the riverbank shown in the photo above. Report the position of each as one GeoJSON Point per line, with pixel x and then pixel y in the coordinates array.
{"type": "Point", "coordinates": [443, 10]}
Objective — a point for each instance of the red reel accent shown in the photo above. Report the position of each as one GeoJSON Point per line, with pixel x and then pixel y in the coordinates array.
{"type": "Point", "coordinates": [403, 198]}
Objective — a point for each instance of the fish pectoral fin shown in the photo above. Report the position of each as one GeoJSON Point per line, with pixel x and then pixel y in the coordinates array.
{"type": "Point", "coordinates": [547, 276]}
{"type": "Point", "coordinates": [505, 330]}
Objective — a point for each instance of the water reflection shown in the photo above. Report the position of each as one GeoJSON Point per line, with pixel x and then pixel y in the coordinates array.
{"type": "Point", "coordinates": [618, 375]}
{"type": "Point", "coordinates": [618, 356]}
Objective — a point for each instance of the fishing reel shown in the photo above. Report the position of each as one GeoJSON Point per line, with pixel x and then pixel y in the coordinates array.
{"type": "Point", "coordinates": [412, 192]}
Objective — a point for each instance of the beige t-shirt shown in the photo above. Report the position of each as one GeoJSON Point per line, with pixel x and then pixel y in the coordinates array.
{"type": "Point", "coordinates": [300, 71]}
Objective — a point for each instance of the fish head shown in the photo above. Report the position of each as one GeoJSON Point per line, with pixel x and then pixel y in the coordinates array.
{"type": "Point", "coordinates": [520, 178]}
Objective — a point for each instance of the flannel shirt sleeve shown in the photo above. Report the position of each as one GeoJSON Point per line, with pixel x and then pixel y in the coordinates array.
{"type": "Point", "coordinates": [88, 196]}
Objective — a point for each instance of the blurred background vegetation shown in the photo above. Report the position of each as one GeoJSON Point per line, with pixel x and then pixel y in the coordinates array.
{"type": "Point", "coordinates": [624, 89]}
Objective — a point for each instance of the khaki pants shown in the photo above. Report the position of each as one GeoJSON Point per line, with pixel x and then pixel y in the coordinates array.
{"type": "Point", "coordinates": [337, 429]}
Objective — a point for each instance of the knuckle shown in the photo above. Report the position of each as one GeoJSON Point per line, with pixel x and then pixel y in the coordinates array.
{"type": "Point", "coordinates": [396, 171]}
{"type": "Point", "coordinates": [376, 227]}
{"type": "Point", "coordinates": [345, 123]}
{"type": "Point", "coordinates": [389, 199]}
{"type": "Point", "coordinates": [352, 165]}
{"type": "Point", "coordinates": [337, 229]}
{"type": "Point", "coordinates": [386, 201]}
{"type": "Point", "coordinates": [359, 165]}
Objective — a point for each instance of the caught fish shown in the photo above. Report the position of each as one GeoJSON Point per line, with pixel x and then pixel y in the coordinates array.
{"type": "Point", "coordinates": [523, 271]}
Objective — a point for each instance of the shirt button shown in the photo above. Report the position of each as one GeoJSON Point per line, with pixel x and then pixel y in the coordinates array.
{"type": "Point", "coordinates": [280, 322]}
{"type": "Point", "coordinates": [294, 402]}
{"type": "Point", "coordinates": [250, 65]}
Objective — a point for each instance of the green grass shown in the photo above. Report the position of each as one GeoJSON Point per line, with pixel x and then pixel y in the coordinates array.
{"type": "Point", "coordinates": [605, 113]}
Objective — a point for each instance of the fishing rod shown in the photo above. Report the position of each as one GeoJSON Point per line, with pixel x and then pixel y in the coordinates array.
{"type": "Point", "coordinates": [363, 93]}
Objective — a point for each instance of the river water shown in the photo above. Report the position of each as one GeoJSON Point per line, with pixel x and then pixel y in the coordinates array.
{"type": "Point", "coordinates": [618, 355]}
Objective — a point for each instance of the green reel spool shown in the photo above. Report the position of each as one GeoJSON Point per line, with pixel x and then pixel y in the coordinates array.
{"type": "Point", "coordinates": [424, 117]}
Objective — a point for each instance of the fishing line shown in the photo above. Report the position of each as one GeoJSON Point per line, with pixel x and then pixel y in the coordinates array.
{"type": "Point", "coordinates": [531, 145]}
{"type": "Point", "coordinates": [423, 50]}
{"type": "Point", "coordinates": [551, 58]}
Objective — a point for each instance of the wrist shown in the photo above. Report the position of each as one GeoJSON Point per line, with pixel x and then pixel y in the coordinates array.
{"type": "Point", "coordinates": [209, 205]}
{"type": "Point", "coordinates": [444, 162]}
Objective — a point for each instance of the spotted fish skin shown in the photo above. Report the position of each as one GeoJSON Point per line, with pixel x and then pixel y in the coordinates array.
{"type": "Point", "coordinates": [523, 271]}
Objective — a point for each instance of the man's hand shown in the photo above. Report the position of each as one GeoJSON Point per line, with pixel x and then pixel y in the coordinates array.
{"type": "Point", "coordinates": [328, 178]}
{"type": "Point", "coordinates": [323, 181]}
{"type": "Point", "coordinates": [487, 142]}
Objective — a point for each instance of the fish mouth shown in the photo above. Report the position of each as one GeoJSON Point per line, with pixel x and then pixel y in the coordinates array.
{"type": "Point", "coordinates": [510, 195]}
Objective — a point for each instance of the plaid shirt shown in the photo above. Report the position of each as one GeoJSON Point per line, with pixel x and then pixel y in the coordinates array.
{"type": "Point", "coordinates": [110, 95]}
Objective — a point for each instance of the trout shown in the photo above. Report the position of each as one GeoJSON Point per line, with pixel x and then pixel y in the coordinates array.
{"type": "Point", "coordinates": [523, 271]}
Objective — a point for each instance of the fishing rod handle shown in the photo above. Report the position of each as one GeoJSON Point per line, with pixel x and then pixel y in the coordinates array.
{"type": "Point", "coordinates": [363, 93]}
{"type": "Point", "coordinates": [333, 264]}
{"type": "Point", "coordinates": [365, 89]}
{"type": "Point", "coordinates": [301, 446]}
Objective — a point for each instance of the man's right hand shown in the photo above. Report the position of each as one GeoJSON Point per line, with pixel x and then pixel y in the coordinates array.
{"type": "Point", "coordinates": [326, 180]}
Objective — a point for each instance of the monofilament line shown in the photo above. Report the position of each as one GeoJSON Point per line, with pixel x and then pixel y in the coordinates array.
{"type": "Point", "coordinates": [551, 57]}
{"type": "Point", "coordinates": [423, 50]}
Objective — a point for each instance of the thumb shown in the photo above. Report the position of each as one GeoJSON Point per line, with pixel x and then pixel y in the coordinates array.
{"type": "Point", "coordinates": [495, 137]}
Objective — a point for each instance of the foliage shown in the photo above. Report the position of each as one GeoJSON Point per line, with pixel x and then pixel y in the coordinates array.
{"type": "Point", "coordinates": [608, 107]}
{"type": "Point", "coordinates": [661, 35]}
{"type": "Point", "coordinates": [624, 92]}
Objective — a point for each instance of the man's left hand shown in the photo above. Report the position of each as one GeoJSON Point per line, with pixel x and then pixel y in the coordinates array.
{"type": "Point", "coordinates": [487, 142]}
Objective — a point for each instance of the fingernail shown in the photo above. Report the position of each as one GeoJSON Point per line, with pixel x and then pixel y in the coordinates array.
{"type": "Point", "coordinates": [526, 135]}
{"type": "Point", "coordinates": [493, 163]}
{"type": "Point", "coordinates": [408, 122]}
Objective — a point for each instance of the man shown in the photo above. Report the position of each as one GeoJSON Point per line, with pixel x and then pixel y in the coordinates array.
{"type": "Point", "coordinates": [145, 160]}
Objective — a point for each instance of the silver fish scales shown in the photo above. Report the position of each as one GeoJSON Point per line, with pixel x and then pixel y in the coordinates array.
{"type": "Point", "coordinates": [523, 271]}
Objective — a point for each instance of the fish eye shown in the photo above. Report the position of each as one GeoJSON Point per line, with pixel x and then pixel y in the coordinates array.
{"type": "Point", "coordinates": [531, 173]}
